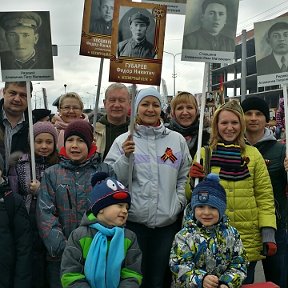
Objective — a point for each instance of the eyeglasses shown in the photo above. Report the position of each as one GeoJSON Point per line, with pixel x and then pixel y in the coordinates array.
{"type": "Point", "coordinates": [68, 108]}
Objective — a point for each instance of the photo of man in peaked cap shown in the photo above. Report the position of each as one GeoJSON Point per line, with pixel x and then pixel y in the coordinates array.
{"type": "Point", "coordinates": [138, 45]}
{"type": "Point", "coordinates": [23, 39]}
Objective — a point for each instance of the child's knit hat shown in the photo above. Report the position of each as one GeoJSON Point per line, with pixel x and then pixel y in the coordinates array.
{"type": "Point", "coordinates": [209, 192]}
{"type": "Point", "coordinates": [106, 191]}
{"type": "Point", "coordinates": [45, 127]}
{"type": "Point", "coordinates": [80, 128]}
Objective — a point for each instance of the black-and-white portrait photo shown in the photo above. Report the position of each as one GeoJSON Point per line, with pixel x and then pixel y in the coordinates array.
{"type": "Point", "coordinates": [213, 24]}
{"type": "Point", "coordinates": [136, 34]}
{"type": "Point", "coordinates": [272, 46]}
{"type": "Point", "coordinates": [101, 17]}
{"type": "Point", "coordinates": [26, 40]}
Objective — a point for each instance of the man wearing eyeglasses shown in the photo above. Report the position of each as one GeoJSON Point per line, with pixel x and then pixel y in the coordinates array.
{"type": "Point", "coordinates": [14, 125]}
{"type": "Point", "coordinates": [116, 120]}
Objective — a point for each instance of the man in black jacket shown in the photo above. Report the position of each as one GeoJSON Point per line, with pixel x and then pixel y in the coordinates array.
{"type": "Point", "coordinates": [14, 125]}
{"type": "Point", "coordinates": [257, 116]}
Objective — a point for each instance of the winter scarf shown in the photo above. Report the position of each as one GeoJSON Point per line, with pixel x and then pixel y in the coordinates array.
{"type": "Point", "coordinates": [102, 269]}
{"type": "Point", "coordinates": [228, 158]}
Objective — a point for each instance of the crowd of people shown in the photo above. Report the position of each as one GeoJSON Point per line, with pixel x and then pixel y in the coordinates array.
{"type": "Point", "coordinates": [112, 207]}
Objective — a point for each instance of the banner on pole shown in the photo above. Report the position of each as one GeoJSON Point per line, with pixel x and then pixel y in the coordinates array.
{"type": "Point", "coordinates": [173, 6]}
{"type": "Point", "coordinates": [210, 31]}
{"type": "Point", "coordinates": [137, 43]}
{"type": "Point", "coordinates": [97, 28]}
{"type": "Point", "coordinates": [271, 47]}
{"type": "Point", "coordinates": [26, 49]}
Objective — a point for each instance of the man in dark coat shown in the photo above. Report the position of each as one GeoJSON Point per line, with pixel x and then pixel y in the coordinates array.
{"type": "Point", "coordinates": [257, 116]}
{"type": "Point", "coordinates": [14, 125]}
{"type": "Point", "coordinates": [277, 61]}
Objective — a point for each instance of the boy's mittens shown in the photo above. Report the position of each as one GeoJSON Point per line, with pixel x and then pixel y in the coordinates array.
{"type": "Point", "coordinates": [269, 249]}
{"type": "Point", "coordinates": [196, 170]}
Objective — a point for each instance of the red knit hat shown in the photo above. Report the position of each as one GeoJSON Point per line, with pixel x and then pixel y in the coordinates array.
{"type": "Point", "coordinates": [80, 128]}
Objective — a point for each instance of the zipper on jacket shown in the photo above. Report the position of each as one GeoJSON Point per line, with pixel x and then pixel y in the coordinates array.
{"type": "Point", "coordinates": [69, 196]}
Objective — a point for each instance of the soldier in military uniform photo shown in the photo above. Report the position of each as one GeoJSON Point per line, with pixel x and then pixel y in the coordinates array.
{"type": "Point", "coordinates": [277, 60]}
{"type": "Point", "coordinates": [138, 45]}
{"type": "Point", "coordinates": [22, 36]}
{"type": "Point", "coordinates": [210, 35]}
{"type": "Point", "coordinates": [103, 24]}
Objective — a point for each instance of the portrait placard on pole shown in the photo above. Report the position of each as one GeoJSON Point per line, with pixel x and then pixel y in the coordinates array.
{"type": "Point", "coordinates": [271, 47]}
{"type": "Point", "coordinates": [210, 31]}
{"type": "Point", "coordinates": [97, 28]}
{"type": "Point", "coordinates": [25, 41]}
{"type": "Point", "coordinates": [173, 6]}
{"type": "Point", "coordinates": [137, 43]}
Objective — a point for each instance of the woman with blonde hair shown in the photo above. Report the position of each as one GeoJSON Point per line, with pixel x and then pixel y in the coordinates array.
{"type": "Point", "coordinates": [244, 176]}
{"type": "Point", "coordinates": [185, 120]}
{"type": "Point", "coordinates": [70, 108]}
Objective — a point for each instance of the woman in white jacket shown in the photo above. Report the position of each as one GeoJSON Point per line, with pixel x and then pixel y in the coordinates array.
{"type": "Point", "coordinates": [160, 167]}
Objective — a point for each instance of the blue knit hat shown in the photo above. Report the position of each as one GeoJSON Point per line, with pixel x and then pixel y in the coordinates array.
{"type": "Point", "coordinates": [151, 91]}
{"type": "Point", "coordinates": [106, 191]}
{"type": "Point", "coordinates": [210, 192]}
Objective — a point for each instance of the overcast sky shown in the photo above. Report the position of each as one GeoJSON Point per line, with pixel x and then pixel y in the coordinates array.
{"type": "Point", "coordinates": [80, 73]}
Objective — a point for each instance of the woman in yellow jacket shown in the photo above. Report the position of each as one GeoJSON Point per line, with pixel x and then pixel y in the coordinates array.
{"type": "Point", "coordinates": [244, 175]}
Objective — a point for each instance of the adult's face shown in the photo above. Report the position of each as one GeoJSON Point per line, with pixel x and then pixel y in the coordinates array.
{"type": "Point", "coordinates": [15, 99]}
{"type": "Point", "coordinates": [279, 41]}
{"type": "Point", "coordinates": [117, 104]}
{"type": "Point", "coordinates": [21, 41]}
{"type": "Point", "coordinates": [149, 111]}
{"type": "Point", "coordinates": [228, 125]}
{"type": "Point", "coordinates": [107, 7]}
{"type": "Point", "coordinates": [138, 30]}
{"type": "Point", "coordinates": [70, 109]}
{"type": "Point", "coordinates": [255, 121]}
{"type": "Point", "coordinates": [185, 114]}
{"type": "Point", "coordinates": [214, 18]}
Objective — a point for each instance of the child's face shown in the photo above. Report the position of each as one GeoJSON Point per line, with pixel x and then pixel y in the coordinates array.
{"type": "Point", "coordinates": [114, 215]}
{"type": "Point", "coordinates": [76, 149]}
{"type": "Point", "coordinates": [44, 144]}
{"type": "Point", "coordinates": [207, 215]}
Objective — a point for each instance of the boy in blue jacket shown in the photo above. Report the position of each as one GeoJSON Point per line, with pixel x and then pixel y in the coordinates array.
{"type": "Point", "coordinates": [101, 252]}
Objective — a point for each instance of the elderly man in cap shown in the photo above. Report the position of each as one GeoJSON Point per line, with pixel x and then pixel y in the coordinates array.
{"type": "Point", "coordinates": [21, 32]}
{"type": "Point", "coordinates": [137, 45]}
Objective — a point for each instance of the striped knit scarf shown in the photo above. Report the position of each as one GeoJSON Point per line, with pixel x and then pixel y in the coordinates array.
{"type": "Point", "coordinates": [228, 158]}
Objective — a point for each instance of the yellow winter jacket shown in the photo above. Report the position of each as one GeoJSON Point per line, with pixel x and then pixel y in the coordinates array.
{"type": "Point", "coordinates": [250, 202]}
